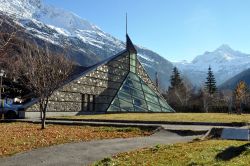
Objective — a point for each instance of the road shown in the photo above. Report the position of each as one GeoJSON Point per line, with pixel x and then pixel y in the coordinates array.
{"type": "Point", "coordinates": [85, 153]}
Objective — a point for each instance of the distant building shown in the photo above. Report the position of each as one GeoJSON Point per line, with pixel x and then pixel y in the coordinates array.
{"type": "Point", "coordinates": [117, 84]}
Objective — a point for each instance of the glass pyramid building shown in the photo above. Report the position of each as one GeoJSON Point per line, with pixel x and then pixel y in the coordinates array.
{"type": "Point", "coordinates": [117, 84]}
{"type": "Point", "coordinates": [137, 92]}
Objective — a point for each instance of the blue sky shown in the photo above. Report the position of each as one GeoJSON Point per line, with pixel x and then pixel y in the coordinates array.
{"type": "Point", "coordinates": [176, 29]}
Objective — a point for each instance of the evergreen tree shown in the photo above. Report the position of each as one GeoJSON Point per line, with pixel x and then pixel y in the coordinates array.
{"type": "Point", "coordinates": [177, 92]}
{"type": "Point", "coordinates": [175, 80]}
{"type": "Point", "coordinates": [210, 84]}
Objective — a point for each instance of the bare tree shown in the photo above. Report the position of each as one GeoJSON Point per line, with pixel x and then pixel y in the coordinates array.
{"type": "Point", "coordinates": [43, 72]}
{"type": "Point", "coordinates": [228, 98]}
{"type": "Point", "coordinates": [6, 37]}
{"type": "Point", "coordinates": [205, 100]}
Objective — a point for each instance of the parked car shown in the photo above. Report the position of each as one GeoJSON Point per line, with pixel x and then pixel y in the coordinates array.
{"type": "Point", "coordinates": [10, 111]}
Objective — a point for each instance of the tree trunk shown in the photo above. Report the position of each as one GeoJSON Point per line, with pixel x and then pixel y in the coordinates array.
{"type": "Point", "coordinates": [43, 119]}
{"type": "Point", "coordinates": [205, 105]}
{"type": "Point", "coordinates": [240, 108]}
{"type": "Point", "coordinates": [43, 110]}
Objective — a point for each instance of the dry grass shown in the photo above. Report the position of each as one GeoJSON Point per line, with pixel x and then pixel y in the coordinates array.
{"type": "Point", "coordinates": [205, 153]}
{"type": "Point", "coordinates": [19, 137]}
{"type": "Point", "coordinates": [178, 117]}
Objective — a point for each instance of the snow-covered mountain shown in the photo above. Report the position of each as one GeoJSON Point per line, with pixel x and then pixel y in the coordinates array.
{"type": "Point", "coordinates": [224, 61]}
{"type": "Point", "coordinates": [89, 42]}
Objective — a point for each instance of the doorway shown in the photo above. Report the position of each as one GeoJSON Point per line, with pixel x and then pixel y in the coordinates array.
{"type": "Point", "coordinates": [88, 102]}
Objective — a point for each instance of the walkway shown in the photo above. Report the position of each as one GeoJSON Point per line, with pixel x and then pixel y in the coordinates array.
{"type": "Point", "coordinates": [85, 153]}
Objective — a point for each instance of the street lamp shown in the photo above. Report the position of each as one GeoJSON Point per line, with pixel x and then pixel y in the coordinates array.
{"type": "Point", "coordinates": [2, 72]}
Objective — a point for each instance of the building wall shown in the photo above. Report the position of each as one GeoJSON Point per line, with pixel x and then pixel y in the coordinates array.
{"type": "Point", "coordinates": [99, 87]}
{"type": "Point", "coordinates": [97, 92]}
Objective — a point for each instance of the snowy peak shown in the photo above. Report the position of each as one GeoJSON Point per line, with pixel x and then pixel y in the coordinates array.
{"type": "Point", "coordinates": [21, 8]}
{"type": "Point", "coordinates": [224, 48]}
{"type": "Point", "coordinates": [223, 54]}
{"type": "Point", "coordinates": [225, 63]}
{"type": "Point", "coordinates": [63, 19]}
{"type": "Point", "coordinates": [87, 42]}
{"type": "Point", "coordinates": [37, 10]}
{"type": "Point", "coordinates": [37, 16]}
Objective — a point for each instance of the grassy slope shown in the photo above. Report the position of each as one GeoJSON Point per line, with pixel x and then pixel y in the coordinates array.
{"type": "Point", "coordinates": [18, 137]}
{"type": "Point", "coordinates": [207, 153]}
{"type": "Point", "coordinates": [179, 117]}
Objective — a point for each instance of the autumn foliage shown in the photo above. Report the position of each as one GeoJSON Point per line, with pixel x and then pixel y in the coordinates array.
{"type": "Point", "coordinates": [241, 91]}
{"type": "Point", "coordinates": [19, 137]}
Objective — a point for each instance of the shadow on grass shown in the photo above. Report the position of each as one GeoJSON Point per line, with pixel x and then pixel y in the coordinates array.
{"type": "Point", "coordinates": [232, 152]}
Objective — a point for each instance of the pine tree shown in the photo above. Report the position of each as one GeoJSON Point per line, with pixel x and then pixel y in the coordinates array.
{"type": "Point", "coordinates": [210, 84]}
{"type": "Point", "coordinates": [175, 80]}
{"type": "Point", "coordinates": [177, 92]}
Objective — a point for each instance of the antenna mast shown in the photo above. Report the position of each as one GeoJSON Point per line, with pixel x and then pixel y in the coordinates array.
{"type": "Point", "coordinates": [126, 23]}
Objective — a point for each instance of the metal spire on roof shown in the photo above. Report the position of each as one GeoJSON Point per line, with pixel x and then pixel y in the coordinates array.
{"type": "Point", "coordinates": [126, 23]}
{"type": "Point", "coordinates": [129, 44]}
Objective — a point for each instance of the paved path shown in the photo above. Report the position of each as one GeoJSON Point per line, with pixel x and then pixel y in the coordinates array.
{"type": "Point", "coordinates": [84, 153]}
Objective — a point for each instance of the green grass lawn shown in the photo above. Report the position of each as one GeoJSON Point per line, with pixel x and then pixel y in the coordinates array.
{"type": "Point", "coordinates": [178, 117]}
{"type": "Point", "coordinates": [205, 153]}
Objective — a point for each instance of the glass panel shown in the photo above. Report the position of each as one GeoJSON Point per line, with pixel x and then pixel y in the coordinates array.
{"type": "Point", "coordinates": [152, 99]}
{"type": "Point", "coordinates": [133, 84]}
{"type": "Point", "coordinates": [134, 92]}
{"type": "Point", "coordinates": [123, 110]}
{"type": "Point", "coordinates": [166, 110]}
{"type": "Point", "coordinates": [133, 56]}
{"type": "Point", "coordinates": [153, 108]}
{"type": "Point", "coordinates": [163, 103]}
{"type": "Point", "coordinates": [138, 109]}
{"type": "Point", "coordinates": [139, 103]}
{"type": "Point", "coordinates": [113, 108]}
{"type": "Point", "coordinates": [125, 89]}
{"type": "Point", "coordinates": [137, 93]}
{"type": "Point", "coordinates": [116, 102]}
{"type": "Point", "coordinates": [136, 96]}
{"type": "Point", "coordinates": [132, 62]}
{"type": "Point", "coordinates": [132, 76]}
{"type": "Point", "coordinates": [124, 96]}
{"type": "Point", "coordinates": [147, 89]}
{"type": "Point", "coordinates": [126, 105]}
{"type": "Point", "coordinates": [132, 69]}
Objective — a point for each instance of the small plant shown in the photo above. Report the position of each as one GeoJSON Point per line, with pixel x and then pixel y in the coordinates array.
{"type": "Point", "coordinates": [156, 148]}
{"type": "Point", "coordinates": [107, 161]}
{"type": "Point", "coordinates": [247, 152]}
{"type": "Point", "coordinates": [192, 163]}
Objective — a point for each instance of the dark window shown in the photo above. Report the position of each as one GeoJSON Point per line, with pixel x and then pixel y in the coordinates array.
{"type": "Point", "coordinates": [88, 102]}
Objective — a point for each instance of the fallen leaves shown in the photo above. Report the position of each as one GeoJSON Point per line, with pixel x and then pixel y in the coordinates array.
{"type": "Point", "coordinates": [19, 137]}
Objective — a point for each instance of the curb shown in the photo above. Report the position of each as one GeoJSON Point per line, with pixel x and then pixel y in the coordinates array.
{"type": "Point", "coordinates": [233, 124]}
{"type": "Point", "coordinates": [60, 122]}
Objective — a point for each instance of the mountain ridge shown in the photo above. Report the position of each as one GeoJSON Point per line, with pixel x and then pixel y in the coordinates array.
{"type": "Point", "coordinates": [59, 26]}
{"type": "Point", "coordinates": [232, 82]}
{"type": "Point", "coordinates": [224, 61]}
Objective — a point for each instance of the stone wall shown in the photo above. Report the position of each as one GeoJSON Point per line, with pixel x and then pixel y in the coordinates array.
{"type": "Point", "coordinates": [98, 86]}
